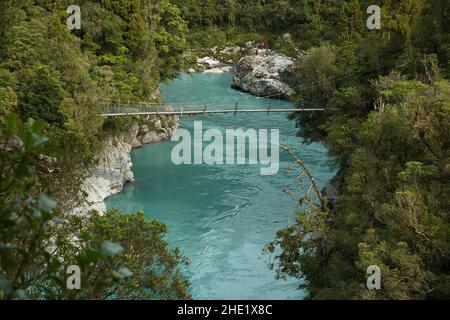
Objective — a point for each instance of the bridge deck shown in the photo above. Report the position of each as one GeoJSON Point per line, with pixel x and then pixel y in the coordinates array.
{"type": "Point", "coordinates": [182, 112]}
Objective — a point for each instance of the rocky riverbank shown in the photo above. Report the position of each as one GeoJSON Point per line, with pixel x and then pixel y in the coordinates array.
{"type": "Point", "coordinates": [265, 73]}
{"type": "Point", "coordinates": [261, 72]}
{"type": "Point", "coordinates": [211, 65]}
{"type": "Point", "coordinates": [113, 169]}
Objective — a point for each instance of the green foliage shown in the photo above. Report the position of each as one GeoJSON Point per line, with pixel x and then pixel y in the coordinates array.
{"type": "Point", "coordinates": [386, 94]}
{"type": "Point", "coordinates": [317, 72]}
{"type": "Point", "coordinates": [62, 79]}
{"type": "Point", "coordinates": [120, 256]}
{"type": "Point", "coordinates": [25, 215]}
{"type": "Point", "coordinates": [42, 97]}
{"type": "Point", "coordinates": [393, 207]}
{"type": "Point", "coordinates": [8, 103]}
{"type": "Point", "coordinates": [152, 269]}
{"type": "Point", "coordinates": [169, 39]}
{"type": "Point", "coordinates": [124, 50]}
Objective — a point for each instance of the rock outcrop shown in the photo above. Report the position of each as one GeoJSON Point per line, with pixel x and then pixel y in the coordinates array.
{"type": "Point", "coordinates": [264, 73]}
{"type": "Point", "coordinates": [210, 65]}
{"type": "Point", "coordinates": [112, 171]}
{"type": "Point", "coordinates": [113, 168]}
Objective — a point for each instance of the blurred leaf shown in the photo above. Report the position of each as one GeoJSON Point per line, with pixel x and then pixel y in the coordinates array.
{"type": "Point", "coordinates": [20, 294]}
{"type": "Point", "coordinates": [46, 203]}
{"type": "Point", "coordinates": [39, 140]}
{"type": "Point", "coordinates": [122, 273]}
{"type": "Point", "coordinates": [5, 284]}
{"type": "Point", "coordinates": [27, 140]}
{"type": "Point", "coordinates": [37, 126]}
{"type": "Point", "coordinates": [37, 214]}
{"type": "Point", "coordinates": [110, 249]}
{"type": "Point", "coordinates": [58, 220]}
{"type": "Point", "coordinates": [88, 256]}
{"type": "Point", "coordinates": [8, 261]}
{"type": "Point", "coordinates": [12, 124]}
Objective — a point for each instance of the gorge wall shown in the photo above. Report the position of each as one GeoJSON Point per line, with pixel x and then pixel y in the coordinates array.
{"type": "Point", "coordinates": [113, 168]}
{"type": "Point", "coordinates": [261, 72]}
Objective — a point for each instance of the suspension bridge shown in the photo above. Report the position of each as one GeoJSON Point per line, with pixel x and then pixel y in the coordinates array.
{"type": "Point", "coordinates": [121, 109]}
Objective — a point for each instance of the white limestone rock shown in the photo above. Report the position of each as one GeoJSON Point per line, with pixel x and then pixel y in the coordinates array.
{"type": "Point", "coordinates": [262, 74]}
{"type": "Point", "coordinates": [149, 137]}
{"type": "Point", "coordinates": [214, 70]}
{"type": "Point", "coordinates": [113, 169]}
{"type": "Point", "coordinates": [144, 128]}
{"type": "Point", "coordinates": [209, 63]}
{"type": "Point", "coordinates": [136, 144]}
{"type": "Point", "coordinates": [111, 173]}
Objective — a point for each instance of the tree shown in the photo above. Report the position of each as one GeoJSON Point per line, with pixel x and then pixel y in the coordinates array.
{"type": "Point", "coordinates": [41, 96]}
{"type": "Point", "coordinates": [392, 211]}
{"type": "Point", "coordinates": [120, 256]}
{"type": "Point", "coordinates": [169, 39]}
{"type": "Point", "coordinates": [145, 268]}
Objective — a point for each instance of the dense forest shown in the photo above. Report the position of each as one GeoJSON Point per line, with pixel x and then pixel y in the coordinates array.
{"type": "Point", "coordinates": [387, 93]}
{"type": "Point", "coordinates": [61, 79]}
{"type": "Point", "coordinates": [388, 97]}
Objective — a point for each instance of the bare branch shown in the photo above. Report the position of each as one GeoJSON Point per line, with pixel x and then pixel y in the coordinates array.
{"type": "Point", "coordinates": [305, 169]}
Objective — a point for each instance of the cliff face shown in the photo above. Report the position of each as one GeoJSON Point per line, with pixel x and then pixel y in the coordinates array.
{"type": "Point", "coordinates": [113, 168]}
{"type": "Point", "coordinates": [112, 171]}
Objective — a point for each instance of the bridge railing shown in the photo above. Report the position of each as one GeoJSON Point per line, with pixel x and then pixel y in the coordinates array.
{"type": "Point", "coordinates": [119, 108]}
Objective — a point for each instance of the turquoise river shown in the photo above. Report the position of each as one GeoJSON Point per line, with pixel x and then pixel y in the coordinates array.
{"type": "Point", "coordinates": [222, 216]}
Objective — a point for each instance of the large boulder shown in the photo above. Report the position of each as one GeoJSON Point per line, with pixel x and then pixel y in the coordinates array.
{"type": "Point", "coordinates": [264, 73]}
{"type": "Point", "coordinates": [209, 63]}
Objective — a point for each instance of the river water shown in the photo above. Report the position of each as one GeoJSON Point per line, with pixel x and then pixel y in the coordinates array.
{"type": "Point", "coordinates": [222, 216]}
